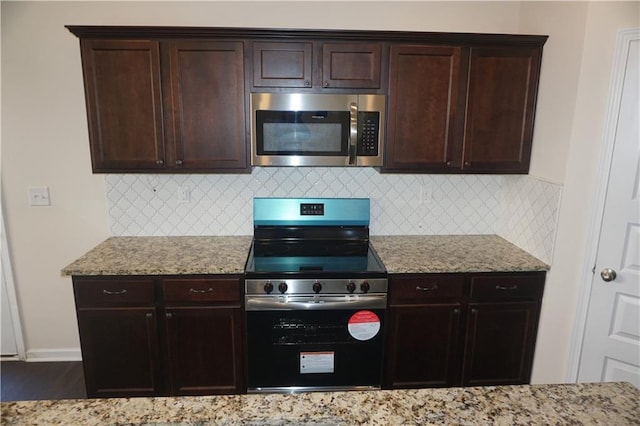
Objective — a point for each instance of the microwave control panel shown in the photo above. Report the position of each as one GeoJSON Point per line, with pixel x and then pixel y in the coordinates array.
{"type": "Point", "coordinates": [368, 133]}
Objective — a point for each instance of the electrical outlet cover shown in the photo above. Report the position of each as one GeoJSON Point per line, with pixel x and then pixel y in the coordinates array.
{"type": "Point", "coordinates": [39, 196]}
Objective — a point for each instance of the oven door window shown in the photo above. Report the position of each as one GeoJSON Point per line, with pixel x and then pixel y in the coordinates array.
{"type": "Point", "coordinates": [311, 349]}
{"type": "Point", "coordinates": [318, 133]}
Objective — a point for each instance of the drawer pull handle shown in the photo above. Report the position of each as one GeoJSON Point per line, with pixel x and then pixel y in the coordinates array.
{"type": "Point", "coordinates": [510, 288]}
{"type": "Point", "coordinates": [194, 290]}
{"type": "Point", "coordinates": [114, 293]}
{"type": "Point", "coordinates": [431, 288]}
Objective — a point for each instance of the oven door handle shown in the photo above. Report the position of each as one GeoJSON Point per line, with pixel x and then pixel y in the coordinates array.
{"type": "Point", "coordinates": [301, 303]}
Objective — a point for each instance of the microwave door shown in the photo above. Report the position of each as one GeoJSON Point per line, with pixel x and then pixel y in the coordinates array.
{"type": "Point", "coordinates": [301, 138]}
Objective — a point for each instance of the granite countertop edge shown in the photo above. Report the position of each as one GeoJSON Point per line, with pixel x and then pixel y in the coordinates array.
{"type": "Point", "coordinates": [211, 255]}
{"type": "Point", "coordinates": [172, 255]}
{"type": "Point", "coordinates": [584, 403]}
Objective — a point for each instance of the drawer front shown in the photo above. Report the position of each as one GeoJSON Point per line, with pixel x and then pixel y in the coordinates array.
{"type": "Point", "coordinates": [423, 288]}
{"type": "Point", "coordinates": [500, 287]}
{"type": "Point", "coordinates": [194, 290]}
{"type": "Point", "coordinates": [113, 293]}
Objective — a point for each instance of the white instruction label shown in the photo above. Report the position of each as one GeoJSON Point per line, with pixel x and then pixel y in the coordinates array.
{"type": "Point", "coordinates": [316, 362]}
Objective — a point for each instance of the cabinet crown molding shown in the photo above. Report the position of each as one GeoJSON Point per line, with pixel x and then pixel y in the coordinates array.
{"type": "Point", "coordinates": [160, 32]}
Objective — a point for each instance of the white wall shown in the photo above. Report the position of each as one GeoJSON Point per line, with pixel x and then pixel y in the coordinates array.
{"type": "Point", "coordinates": [564, 23]}
{"type": "Point", "coordinates": [581, 131]}
{"type": "Point", "coordinates": [45, 141]}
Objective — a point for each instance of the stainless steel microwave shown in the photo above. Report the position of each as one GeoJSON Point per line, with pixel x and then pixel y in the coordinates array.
{"type": "Point", "coordinates": [304, 129]}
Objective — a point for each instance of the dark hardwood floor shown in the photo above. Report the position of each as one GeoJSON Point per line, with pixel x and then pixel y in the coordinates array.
{"type": "Point", "coordinates": [26, 381]}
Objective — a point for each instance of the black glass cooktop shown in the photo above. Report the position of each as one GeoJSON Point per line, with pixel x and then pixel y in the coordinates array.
{"type": "Point", "coordinates": [352, 264]}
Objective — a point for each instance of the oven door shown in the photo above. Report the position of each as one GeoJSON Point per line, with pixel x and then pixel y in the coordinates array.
{"type": "Point", "coordinates": [314, 349]}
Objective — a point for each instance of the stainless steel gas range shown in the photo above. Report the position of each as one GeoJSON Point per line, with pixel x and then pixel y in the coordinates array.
{"type": "Point", "coordinates": [315, 297]}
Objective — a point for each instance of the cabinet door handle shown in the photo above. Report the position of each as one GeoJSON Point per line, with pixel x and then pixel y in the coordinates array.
{"type": "Point", "coordinates": [179, 162]}
{"type": "Point", "coordinates": [430, 288]}
{"type": "Point", "coordinates": [149, 315]}
{"type": "Point", "coordinates": [194, 290]}
{"type": "Point", "coordinates": [504, 288]}
{"type": "Point", "coordinates": [325, 84]}
{"type": "Point", "coordinates": [114, 293]}
{"type": "Point", "coordinates": [169, 315]}
{"type": "Point", "coordinates": [307, 83]}
{"type": "Point", "coordinates": [159, 162]}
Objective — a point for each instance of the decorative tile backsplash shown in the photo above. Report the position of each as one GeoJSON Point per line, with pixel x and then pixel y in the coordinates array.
{"type": "Point", "coordinates": [147, 205]}
{"type": "Point", "coordinates": [529, 211]}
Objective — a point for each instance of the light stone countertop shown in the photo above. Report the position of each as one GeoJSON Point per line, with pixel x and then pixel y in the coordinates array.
{"type": "Point", "coordinates": [577, 404]}
{"type": "Point", "coordinates": [228, 254]}
{"type": "Point", "coordinates": [164, 256]}
{"type": "Point", "coordinates": [453, 253]}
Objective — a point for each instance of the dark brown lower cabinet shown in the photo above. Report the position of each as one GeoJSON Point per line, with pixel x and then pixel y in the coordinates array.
{"type": "Point", "coordinates": [499, 343]}
{"type": "Point", "coordinates": [461, 329]}
{"type": "Point", "coordinates": [423, 346]}
{"type": "Point", "coordinates": [120, 352]}
{"type": "Point", "coordinates": [204, 350]}
{"type": "Point", "coordinates": [157, 336]}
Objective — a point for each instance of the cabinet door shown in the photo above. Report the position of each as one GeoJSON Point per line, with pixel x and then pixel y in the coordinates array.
{"type": "Point", "coordinates": [499, 343]}
{"type": "Point", "coordinates": [282, 64]}
{"type": "Point", "coordinates": [124, 104]}
{"type": "Point", "coordinates": [423, 121]}
{"type": "Point", "coordinates": [207, 88]}
{"type": "Point", "coordinates": [503, 84]}
{"type": "Point", "coordinates": [422, 346]}
{"type": "Point", "coordinates": [120, 352]}
{"type": "Point", "coordinates": [351, 65]}
{"type": "Point", "coordinates": [204, 350]}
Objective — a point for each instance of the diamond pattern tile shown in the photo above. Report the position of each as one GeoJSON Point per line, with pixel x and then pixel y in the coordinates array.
{"type": "Point", "coordinates": [529, 213]}
{"type": "Point", "coordinates": [522, 209]}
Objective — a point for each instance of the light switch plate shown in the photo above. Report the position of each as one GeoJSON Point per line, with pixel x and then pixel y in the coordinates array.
{"type": "Point", "coordinates": [39, 196]}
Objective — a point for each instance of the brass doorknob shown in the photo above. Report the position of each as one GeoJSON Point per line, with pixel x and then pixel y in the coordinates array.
{"type": "Point", "coordinates": [608, 274]}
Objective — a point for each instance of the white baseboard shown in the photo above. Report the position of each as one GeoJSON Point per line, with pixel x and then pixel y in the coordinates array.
{"type": "Point", "coordinates": [42, 355]}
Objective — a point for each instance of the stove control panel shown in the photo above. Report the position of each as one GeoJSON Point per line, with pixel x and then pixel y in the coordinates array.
{"type": "Point", "coordinates": [315, 286]}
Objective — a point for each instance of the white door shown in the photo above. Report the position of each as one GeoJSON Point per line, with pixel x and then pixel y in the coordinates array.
{"type": "Point", "coordinates": [8, 347]}
{"type": "Point", "coordinates": [8, 341]}
{"type": "Point", "coordinates": [611, 346]}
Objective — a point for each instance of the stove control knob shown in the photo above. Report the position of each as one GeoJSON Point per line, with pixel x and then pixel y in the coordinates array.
{"type": "Point", "coordinates": [351, 286]}
{"type": "Point", "coordinates": [365, 287]}
{"type": "Point", "coordinates": [268, 287]}
{"type": "Point", "coordinates": [317, 287]}
{"type": "Point", "coordinates": [282, 287]}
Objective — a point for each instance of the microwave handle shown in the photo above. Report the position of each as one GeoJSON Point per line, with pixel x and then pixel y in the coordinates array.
{"type": "Point", "coordinates": [353, 133]}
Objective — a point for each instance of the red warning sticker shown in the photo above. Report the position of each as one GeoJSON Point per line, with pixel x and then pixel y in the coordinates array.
{"type": "Point", "coordinates": [364, 325]}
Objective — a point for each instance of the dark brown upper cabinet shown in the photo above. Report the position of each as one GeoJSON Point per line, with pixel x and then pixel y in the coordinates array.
{"type": "Point", "coordinates": [317, 65]}
{"type": "Point", "coordinates": [423, 120]}
{"type": "Point", "coordinates": [461, 109]}
{"type": "Point", "coordinates": [124, 104]}
{"type": "Point", "coordinates": [206, 80]}
{"type": "Point", "coordinates": [282, 64]}
{"type": "Point", "coordinates": [165, 106]}
{"type": "Point", "coordinates": [501, 101]}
